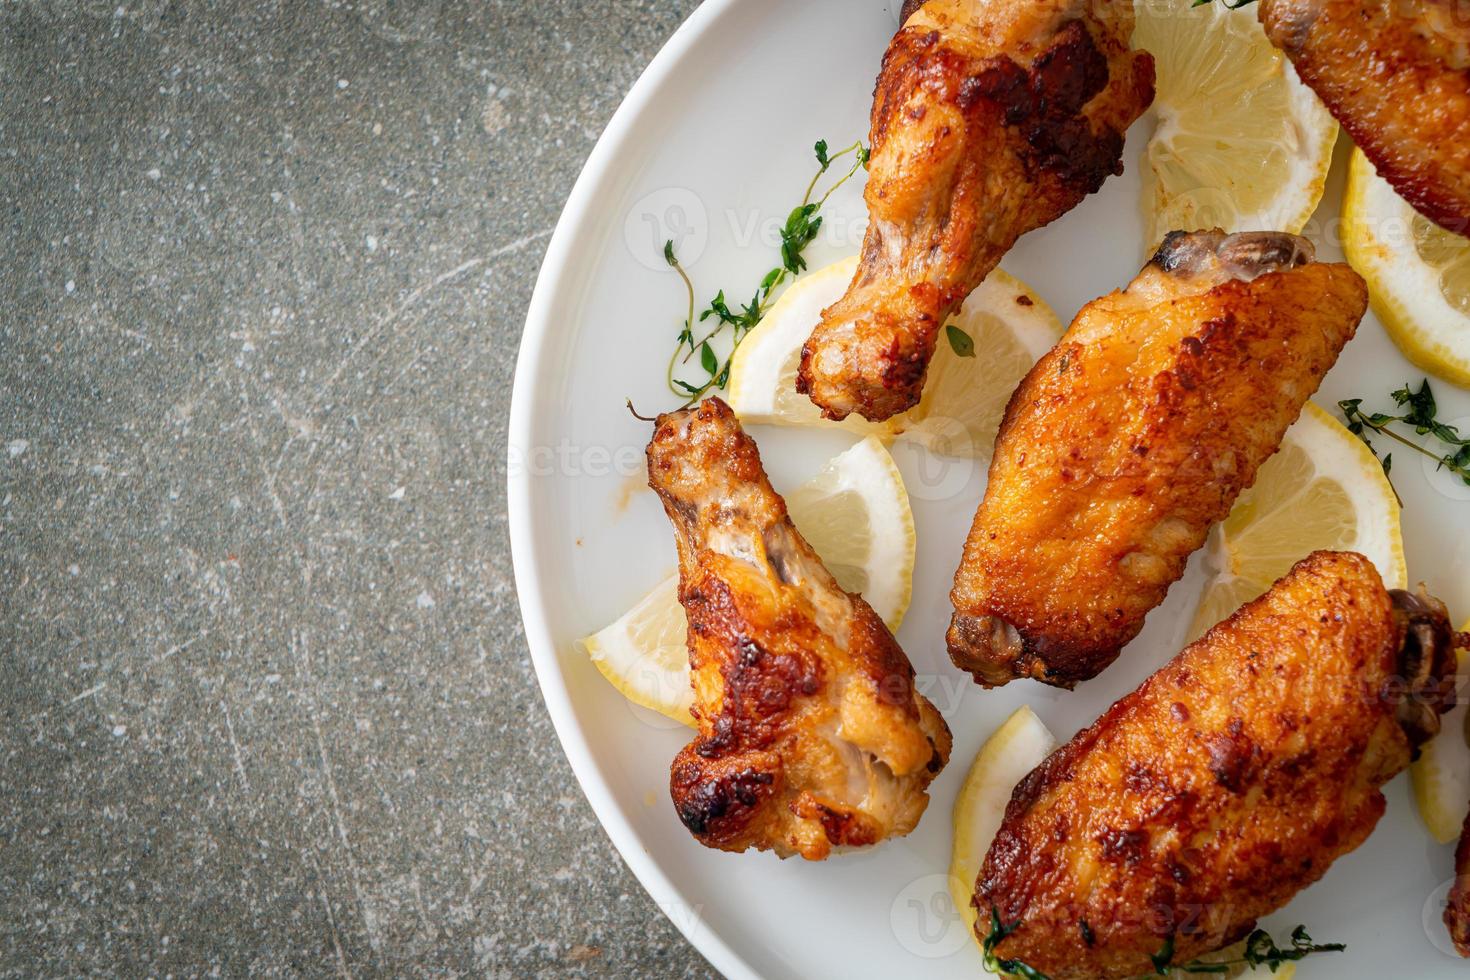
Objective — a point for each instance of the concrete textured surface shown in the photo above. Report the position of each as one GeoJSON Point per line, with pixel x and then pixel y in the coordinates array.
{"type": "Point", "coordinates": [266, 701]}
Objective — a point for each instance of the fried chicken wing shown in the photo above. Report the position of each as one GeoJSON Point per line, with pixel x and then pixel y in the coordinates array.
{"type": "Point", "coordinates": [1228, 782]}
{"type": "Point", "coordinates": [1396, 74]}
{"type": "Point", "coordinates": [990, 119]}
{"type": "Point", "coordinates": [1131, 438]}
{"type": "Point", "coordinates": [811, 734]}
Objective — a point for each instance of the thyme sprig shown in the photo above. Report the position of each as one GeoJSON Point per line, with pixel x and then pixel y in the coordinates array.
{"type": "Point", "coordinates": [1420, 411]}
{"type": "Point", "coordinates": [1260, 950]}
{"type": "Point", "coordinates": [998, 966]}
{"type": "Point", "coordinates": [799, 231]}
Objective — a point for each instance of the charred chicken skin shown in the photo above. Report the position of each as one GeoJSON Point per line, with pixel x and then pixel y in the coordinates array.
{"type": "Point", "coordinates": [811, 734]}
{"type": "Point", "coordinates": [1396, 74]}
{"type": "Point", "coordinates": [1228, 782]}
{"type": "Point", "coordinates": [990, 119]}
{"type": "Point", "coordinates": [1131, 438]}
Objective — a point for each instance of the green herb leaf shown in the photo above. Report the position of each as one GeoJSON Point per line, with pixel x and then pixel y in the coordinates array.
{"type": "Point", "coordinates": [962, 343]}
{"type": "Point", "coordinates": [993, 963]}
{"type": "Point", "coordinates": [1163, 957]}
{"type": "Point", "coordinates": [1421, 409]}
{"type": "Point", "coordinates": [801, 228]}
{"type": "Point", "coordinates": [1261, 950]}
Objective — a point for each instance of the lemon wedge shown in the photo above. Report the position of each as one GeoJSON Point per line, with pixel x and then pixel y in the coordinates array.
{"type": "Point", "coordinates": [1007, 324]}
{"type": "Point", "coordinates": [1441, 774]}
{"type": "Point", "coordinates": [1418, 274]}
{"type": "Point", "coordinates": [1239, 142]}
{"type": "Point", "coordinates": [1016, 748]}
{"type": "Point", "coordinates": [1322, 489]}
{"type": "Point", "coordinates": [854, 513]}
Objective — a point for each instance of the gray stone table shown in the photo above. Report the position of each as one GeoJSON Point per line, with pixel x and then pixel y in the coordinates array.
{"type": "Point", "coordinates": [265, 702]}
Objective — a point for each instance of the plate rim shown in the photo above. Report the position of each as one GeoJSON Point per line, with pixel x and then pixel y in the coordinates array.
{"type": "Point", "coordinates": [526, 564]}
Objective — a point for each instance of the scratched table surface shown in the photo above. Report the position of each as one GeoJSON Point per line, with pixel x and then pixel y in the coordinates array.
{"type": "Point", "coordinates": [265, 702]}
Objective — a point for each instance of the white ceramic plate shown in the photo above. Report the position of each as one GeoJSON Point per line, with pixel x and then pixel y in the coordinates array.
{"type": "Point", "coordinates": [711, 148]}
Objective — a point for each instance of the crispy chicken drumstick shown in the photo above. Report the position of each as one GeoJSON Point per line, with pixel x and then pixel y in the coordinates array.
{"type": "Point", "coordinates": [1131, 438]}
{"type": "Point", "coordinates": [1228, 782]}
{"type": "Point", "coordinates": [811, 735]}
{"type": "Point", "coordinates": [1396, 74]}
{"type": "Point", "coordinates": [990, 118]}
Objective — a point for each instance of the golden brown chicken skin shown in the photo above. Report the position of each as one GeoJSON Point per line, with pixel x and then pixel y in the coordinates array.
{"type": "Point", "coordinates": [1396, 74]}
{"type": "Point", "coordinates": [1228, 782]}
{"type": "Point", "coordinates": [811, 734]}
{"type": "Point", "coordinates": [1457, 906]}
{"type": "Point", "coordinates": [990, 119]}
{"type": "Point", "coordinates": [1131, 438]}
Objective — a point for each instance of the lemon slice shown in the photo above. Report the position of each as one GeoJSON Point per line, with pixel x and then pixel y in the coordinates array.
{"type": "Point", "coordinates": [1239, 142]}
{"type": "Point", "coordinates": [1322, 490]}
{"type": "Point", "coordinates": [643, 653]}
{"type": "Point", "coordinates": [964, 397]}
{"type": "Point", "coordinates": [1016, 748]}
{"type": "Point", "coordinates": [1441, 774]}
{"type": "Point", "coordinates": [762, 386]}
{"type": "Point", "coordinates": [1418, 274]}
{"type": "Point", "coordinates": [854, 513]}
